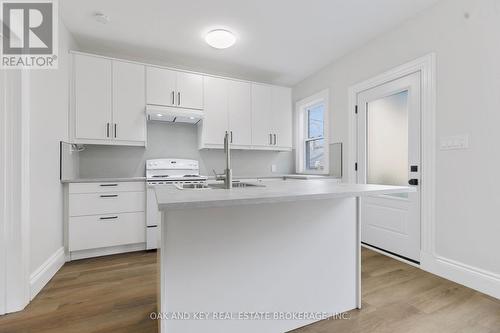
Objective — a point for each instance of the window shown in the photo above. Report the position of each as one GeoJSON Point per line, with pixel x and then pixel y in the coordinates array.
{"type": "Point", "coordinates": [312, 144]}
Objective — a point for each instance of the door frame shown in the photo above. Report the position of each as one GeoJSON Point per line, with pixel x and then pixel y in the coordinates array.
{"type": "Point", "coordinates": [426, 65]}
{"type": "Point", "coordinates": [15, 195]}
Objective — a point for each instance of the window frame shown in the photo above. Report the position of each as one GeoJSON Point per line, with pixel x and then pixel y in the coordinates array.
{"type": "Point", "coordinates": [302, 133]}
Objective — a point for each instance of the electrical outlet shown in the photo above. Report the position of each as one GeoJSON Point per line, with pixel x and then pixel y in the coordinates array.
{"type": "Point", "coordinates": [273, 168]}
{"type": "Point", "coordinates": [454, 142]}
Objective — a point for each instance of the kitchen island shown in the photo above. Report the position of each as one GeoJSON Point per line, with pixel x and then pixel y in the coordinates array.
{"type": "Point", "coordinates": [260, 258]}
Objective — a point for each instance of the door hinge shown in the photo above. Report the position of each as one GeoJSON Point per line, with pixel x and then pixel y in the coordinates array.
{"type": "Point", "coordinates": [356, 166]}
{"type": "Point", "coordinates": [356, 109]}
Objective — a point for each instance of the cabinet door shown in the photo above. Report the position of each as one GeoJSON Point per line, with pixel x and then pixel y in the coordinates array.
{"type": "Point", "coordinates": [189, 91]}
{"type": "Point", "coordinates": [92, 82]}
{"type": "Point", "coordinates": [160, 86]}
{"type": "Point", "coordinates": [239, 108]}
{"type": "Point", "coordinates": [129, 102]}
{"type": "Point", "coordinates": [215, 121]}
{"type": "Point", "coordinates": [261, 115]}
{"type": "Point", "coordinates": [282, 116]}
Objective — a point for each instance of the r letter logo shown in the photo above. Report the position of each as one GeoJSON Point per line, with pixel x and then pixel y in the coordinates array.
{"type": "Point", "coordinates": [29, 34]}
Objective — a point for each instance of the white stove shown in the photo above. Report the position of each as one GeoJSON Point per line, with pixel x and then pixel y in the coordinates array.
{"type": "Point", "coordinates": [161, 172]}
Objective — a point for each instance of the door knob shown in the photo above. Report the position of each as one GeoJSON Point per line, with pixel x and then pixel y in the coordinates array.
{"type": "Point", "coordinates": [413, 182]}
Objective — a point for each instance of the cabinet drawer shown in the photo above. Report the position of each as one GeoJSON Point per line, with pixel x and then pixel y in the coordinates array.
{"type": "Point", "coordinates": [90, 232]}
{"type": "Point", "coordinates": [106, 187]}
{"type": "Point", "coordinates": [106, 203]}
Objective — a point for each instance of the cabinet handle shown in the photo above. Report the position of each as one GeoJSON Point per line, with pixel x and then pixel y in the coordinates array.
{"type": "Point", "coordinates": [270, 139]}
{"type": "Point", "coordinates": [115, 130]}
{"type": "Point", "coordinates": [108, 195]}
{"type": "Point", "coordinates": [107, 185]}
{"type": "Point", "coordinates": [107, 130]}
{"type": "Point", "coordinates": [275, 140]}
{"type": "Point", "coordinates": [108, 218]}
{"type": "Point", "coordinates": [178, 98]}
{"type": "Point", "coordinates": [231, 136]}
{"type": "Point", "coordinates": [173, 97]}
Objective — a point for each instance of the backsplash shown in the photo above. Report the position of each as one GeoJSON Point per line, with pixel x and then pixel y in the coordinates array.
{"type": "Point", "coordinates": [167, 140]}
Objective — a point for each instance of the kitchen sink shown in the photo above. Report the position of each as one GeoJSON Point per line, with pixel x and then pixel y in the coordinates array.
{"type": "Point", "coordinates": [216, 186]}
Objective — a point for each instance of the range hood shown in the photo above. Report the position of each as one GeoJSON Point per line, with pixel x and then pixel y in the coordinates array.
{"type": "Point", "coordinates": [173, 115]}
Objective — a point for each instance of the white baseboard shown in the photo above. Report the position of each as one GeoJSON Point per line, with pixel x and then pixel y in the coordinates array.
{"type": "Point", "coordinates": [45, 272]}
{"type": "Point", "coordinates": [472, 277]}
{"type": "Point", "coordinates": [105, 251]}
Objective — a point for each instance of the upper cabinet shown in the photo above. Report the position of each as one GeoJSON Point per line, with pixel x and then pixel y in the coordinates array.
{"type": "Point", "coordinates": [109, 99]}
{"type": "Point", "coordinates": [256, 116]}
{"type": "Point", "coordinates": [227, 108]}
{"type": "Point", "coordinates": [108, 102]}
{"type": "Point", "coordinates": [170, 88]}
{"type": "Point", "coordinates": [271, 117]}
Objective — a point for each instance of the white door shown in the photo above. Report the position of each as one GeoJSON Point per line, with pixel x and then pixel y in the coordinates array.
{"type": "Point", "coordinates": [261, 115]}
{"type": "Point", "coordinates": [389, 154]}
{"type": "Point", "coordinates": [189, 90]}
{"type": "Point", "coordinates": [160, 86]}
{"type": "Point", "coordinates": [239, 102]}
{"type": "Point", "coordinates": [281, 110]}
{"type": "Point", "coordinates": [129, 101]}
{"type": "Point", "coordinates": [215, 120]}
{"type": "Point", "coordinates": [92, 97]}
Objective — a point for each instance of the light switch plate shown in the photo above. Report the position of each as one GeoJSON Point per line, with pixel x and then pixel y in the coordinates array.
{"type": "Point", "coordinates": [273, 168]}
{"type": "Point", "coordinates": [454, 142]}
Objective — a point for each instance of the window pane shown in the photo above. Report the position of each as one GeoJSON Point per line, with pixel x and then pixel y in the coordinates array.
{"type": "Point", "coordinates": [315, 121]}
{"type": "Point", "coordinates": [387, 140]}
{"type": "Point", "coordinates": [315, 154]}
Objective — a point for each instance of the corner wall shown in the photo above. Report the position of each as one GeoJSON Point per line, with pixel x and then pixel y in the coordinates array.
{"type": "Point", "coordinates": [465, 36]}
{"type": "Point", "coordinates": [48, 125]}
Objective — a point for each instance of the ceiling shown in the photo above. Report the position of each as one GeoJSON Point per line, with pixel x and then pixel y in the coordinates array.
{"type": "Point", "coordinates": [279, 41]}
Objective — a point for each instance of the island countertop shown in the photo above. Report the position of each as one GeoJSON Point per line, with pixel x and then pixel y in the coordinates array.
{"type": "Point", "coordinates": [171, 197]}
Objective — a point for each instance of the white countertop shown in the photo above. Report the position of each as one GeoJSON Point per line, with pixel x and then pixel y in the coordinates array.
{"type": "Point", "coordinates": [170, 197]}
{"type": "Point", "coordinates": [104, 180]}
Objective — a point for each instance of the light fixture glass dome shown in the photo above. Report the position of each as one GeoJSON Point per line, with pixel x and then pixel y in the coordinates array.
{"type": "Point", "coordinates": [220, 38]}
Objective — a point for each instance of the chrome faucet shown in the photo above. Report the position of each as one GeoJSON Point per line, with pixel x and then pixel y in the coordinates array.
{"type": "Point", "coordinates": [228, 172]}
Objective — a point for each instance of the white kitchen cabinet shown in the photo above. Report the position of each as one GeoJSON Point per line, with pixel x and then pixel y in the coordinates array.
{"type": "Point", "coordinates": [227, 108]}
{"type": "Point", "coordinates": [271, 117]}
{"type": "Point", "coordinates": [262, 131]}
{"type": "Point", "coordinates": [281, 114]}
{"type": "Point", "coordinates": [170, 88]}
{"type": "Point", "coordinates": [92, 98]}
{"type": "Point", "coordinates": [129, 100]}
{"type": "Point", "coordinates": [239, 109]}
{"type": "Point", "coordinates": [105, 218]}
{"type": "Point", "coordinates": [189, 90]}
{"type": "Point", "coordinates": [160, 86]}
{"type": "Point", "coordinates": [108, 102]}
{"type": "Point", "coordinates": [215, 122]}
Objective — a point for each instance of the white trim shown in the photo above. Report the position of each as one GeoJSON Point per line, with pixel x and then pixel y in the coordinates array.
{"type": "Point", "coordinates": [319, 97]}
{"type": "Point", "coordinates": [3, 193]}
{"type": "Point", "coordinates": [472, 277]}
{"type": "Point", "coordinates": [42, 275]}
{"type": "Point", "coordinates": [105, 251]}
{"type": "Point", "coordinates": [16, 216]}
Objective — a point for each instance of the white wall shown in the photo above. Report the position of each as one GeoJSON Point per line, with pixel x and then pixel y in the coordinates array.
{"type": "Point", "coordinates": [465, 35]}
{"type": "Point", "coordinates": [48, 125]}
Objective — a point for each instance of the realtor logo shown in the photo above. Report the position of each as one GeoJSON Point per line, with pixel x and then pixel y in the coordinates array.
{"type": "Point", "coordinates": [29, 34]}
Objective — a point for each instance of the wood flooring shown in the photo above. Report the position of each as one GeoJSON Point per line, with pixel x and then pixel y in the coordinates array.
{"type": "Point", "coordinates": [116, 294]}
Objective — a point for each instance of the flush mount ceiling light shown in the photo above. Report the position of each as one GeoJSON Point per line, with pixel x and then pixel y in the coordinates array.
{"type": "Point", "coordinates": [220, 38]}
{"type": "Point", "coordinates": [101, 18]}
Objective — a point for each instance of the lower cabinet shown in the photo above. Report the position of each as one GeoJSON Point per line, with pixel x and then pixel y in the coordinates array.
{"type": "Point", "coordinates": [105, 218]}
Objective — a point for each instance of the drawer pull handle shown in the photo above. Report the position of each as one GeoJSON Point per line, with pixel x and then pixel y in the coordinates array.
{"type": "Point", "coordinates": [108, 185]}
{"type": "Point", "coordinates": [108, 218]}
{"type": "Point", "coordinates": [109, 195]}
